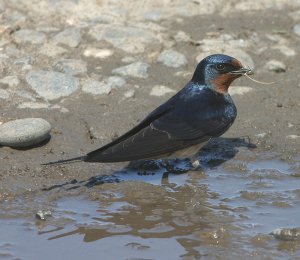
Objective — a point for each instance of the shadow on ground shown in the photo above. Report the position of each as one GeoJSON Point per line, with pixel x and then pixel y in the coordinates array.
{"type": "Point", "coordinates": [216, 152]}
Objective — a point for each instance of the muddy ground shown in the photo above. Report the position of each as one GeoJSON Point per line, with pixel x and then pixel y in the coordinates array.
{"type": "Point", "coordinates": [268, 117]}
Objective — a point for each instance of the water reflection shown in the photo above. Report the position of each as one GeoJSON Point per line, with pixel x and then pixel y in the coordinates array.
{"type": "Point", "coordinates": [150, 210]}
{"type": "Point", "coordinates": [154, 200]}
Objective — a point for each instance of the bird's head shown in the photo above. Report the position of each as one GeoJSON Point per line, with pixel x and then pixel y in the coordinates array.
{"type": "Point", "coordinates": [218, 71]}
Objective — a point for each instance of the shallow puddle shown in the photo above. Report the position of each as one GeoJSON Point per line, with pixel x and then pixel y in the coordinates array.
{"type": "Point", "coordinates": [223, 210]}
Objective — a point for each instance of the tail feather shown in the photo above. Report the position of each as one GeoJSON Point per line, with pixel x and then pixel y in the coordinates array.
{"type": "Point", "coordinates": [72, 160]}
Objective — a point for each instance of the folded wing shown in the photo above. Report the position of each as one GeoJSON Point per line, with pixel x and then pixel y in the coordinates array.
{"type": "Point", "coordinates": [177, 124]}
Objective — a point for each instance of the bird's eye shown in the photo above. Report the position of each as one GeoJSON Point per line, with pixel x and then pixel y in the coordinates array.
{"type": "Point", "coordinates": [220, 67]}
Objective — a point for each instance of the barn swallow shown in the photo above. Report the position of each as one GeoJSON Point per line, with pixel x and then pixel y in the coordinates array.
{"type": "Point", "coordinates": [178, 128]}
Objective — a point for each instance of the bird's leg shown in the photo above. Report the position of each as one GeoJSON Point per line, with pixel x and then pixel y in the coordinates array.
{"type": "Point", "coordinates": [167, 164]}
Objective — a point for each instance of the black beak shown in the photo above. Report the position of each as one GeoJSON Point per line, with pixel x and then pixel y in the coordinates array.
{"type": "Point", "coordinates": [242, 71]}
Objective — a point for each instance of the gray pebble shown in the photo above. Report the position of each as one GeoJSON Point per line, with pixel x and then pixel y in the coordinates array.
{"type": "Point", "coordinates": [275, 66]}
{"type": "Point", "coordinates": [287, 51]}
{"type": "Point", "coordinates": [31, 36]}
{"type": "Point", "coordinates": [160, 90]}
{"type": "Point", "coordinates": [181, 36]}
{"type": "Point", "coordinates": [51, 50]}
{"type": "Point", "coordinates": [52, 85]}
{"type": "Point", "coordinates": [27, 60]}
{"type": "Point", "coordinates": [4, 94]}
{"type": "Point", "coordinates": [24, 132]}
{"type": "Point", "coordinates": [70, 37]}
{"type": "Point", "coordinates": [153, 15]}
{"type": "Point", "coordinates": [98, 53]}
{"type": "Point", "coordinates": [33, 105]}
{"type": "Point", "coordinates": [10, 81]}
{"type": "Point", "coordinates": [96, 87]}
{"type": "Point", "coordinates": [172, 58]}
{"type": "Point", "coordinates": [129, 39]}
{"type": "Point", "coordinates": [25, 94]}
{"type": "Point", "coordinates": [115, 81]}
{"type": "Point", "coordinates": [43, 214]}
{"type": "Point", "coordinates": [296, 29]}
{"type": "Point", "coordinates": [129, 93]}
{"type": "Point", "coordinates": [288, 234]}
{"type": "Point", "coordinates": [71, 66]}
{"type": "Point", "coordinates": [137, 69]}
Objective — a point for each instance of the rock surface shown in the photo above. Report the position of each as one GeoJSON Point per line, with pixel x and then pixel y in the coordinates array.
{"type": "Point", "coordinates": [52, 85]}
{"type": "Point", "coordinates": [172, 58]}
{"type": "Point", "coordinates": [30, 36]}
{"type": "Point", "coordinates": [160, 90]}
{"type": "Point", "coordinates": [96, 87]}
{"type": "Point", "coordinates": [275, 66]}
{"type": "Point", "coordinates": [24, 132]}
{"type": "Point", "coordinates": [70, 37]}
{"type": "Point", "coordinates": [137, 69]}
{"type": "Point", "coordinates": [71, 66]}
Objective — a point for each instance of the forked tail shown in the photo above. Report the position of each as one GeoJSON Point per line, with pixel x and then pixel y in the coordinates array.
{"type": "Point", "coordinates": [72, 160]}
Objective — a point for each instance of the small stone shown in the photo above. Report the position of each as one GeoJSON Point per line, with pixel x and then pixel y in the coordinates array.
{"type": "Point", "coordinates": [27, 60]}
{"type": "Point", "coordinates": [98, 53]}
{"type": "Point", "coordinates": [296, 29]}
{"type": "Point", "coordinates": [160, 90]}
{"type": "Point", "coordinates": [10, 81]}
{"type": "Point", "coordinates": [137, 69]}
{"type": "Point", "coordinates": [33, 105]}
{"type": "Point", "coordinates": [51, 50]}
{"type": "Point", "coordinates": [172, 58]}
{"type": "Point", "coordinates": [70, 37]}
{"type": "Point", "coordinates": [292, 137]}
{"type": "Point", "coordinates": [182, 37]}
{"type": "Point", "coordinates": [31, 36]}
{"type": "Point", "coordinates": [43, 214]}
{"type": "Point", "coordinates": [47, 29]}
{"type": "Point", "coordinates": [4, 94]}
{"type": "Point", "coordinates": [62, 109]}
{"type": "Point", "coordinates": [71, 66]}
{"type": "Point", "coordinates": [128, 59]}
{"type": "Point", "coordinates": [154, 16]}
{"type": "Point", "coordinates": [96, 87]}
{"type": "Point", "coordinates": [129, 39]}
{"type": "Point", "coordinates": [24, 132]}
{"type": "Point", "coordinates": [25, 94]}
{"type": "Point", "coordinates": [287, 51]}
{"type": "Point", "coordinates": [129, 93]}
{"type": "Point", "coordinates": [287, 234]}
{"type": "Point", "coordinates": [261, 135]}
{"type": "Point", "coordinates": [275, 66]}
{"type": "Point", "coordinates": [235, 90]}
{"type": "Point", "coordinates": [12, 51]}
{"type": "Point", "coordinates": [115, 81]}
{"type": "Point", "coordinates": [52, 85]}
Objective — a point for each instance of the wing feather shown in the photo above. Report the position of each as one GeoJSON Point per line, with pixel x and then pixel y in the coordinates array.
{"type": "Point", "coordinates": [175, 125]}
